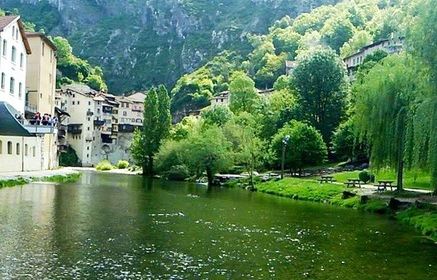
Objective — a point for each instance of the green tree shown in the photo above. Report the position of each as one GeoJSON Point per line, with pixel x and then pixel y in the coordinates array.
{"type": "Point", "coordinates": [216, 115]}
{"type": "Point", "coordinates": [243, 94]}
{"type": "Point", "coordinates": [422, 143]}
{"type": "Point", "coordinates": [305, 146]}
{"type": "Point", "coordinates": [206, 150]}
{"type": "Point", "coordinates": [336, 32]}
{"type": "Point", "coordinates": [382, 110]}
{"type": "Point", "coordinates": [320, 84]}
{"type": "Point", "coordinates": [156, 127]}
{"type": "Point", "coordinates": [346, 145]}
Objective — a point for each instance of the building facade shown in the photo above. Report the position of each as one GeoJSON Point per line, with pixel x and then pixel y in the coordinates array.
{"type": "Point", "coordinates": [100, 125]}
{"type": "Point", "coordinates": [40, 91]}
{"type": "Point", "coordinates": [21, 144]}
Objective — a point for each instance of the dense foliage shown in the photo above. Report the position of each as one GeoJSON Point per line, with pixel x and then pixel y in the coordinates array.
{"type": "Point", "coordinates": [156, 127]}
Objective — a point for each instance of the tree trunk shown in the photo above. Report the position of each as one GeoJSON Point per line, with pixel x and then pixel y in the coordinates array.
{"type": "Point", "coordinates": [400, 175]}
{"type": "Point", "coordinates": [210, 176]}
{"type": "Point", "coordinates": [150, 166]}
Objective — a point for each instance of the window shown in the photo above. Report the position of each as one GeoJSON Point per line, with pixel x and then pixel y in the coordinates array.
{"type": "Point", "coordinates": [11, 85]}
{"type": "Point", "coordinates": [20, 89]}
{"type": "Point", "coordinates": [21, 60]}
{"type": "Point", "coordinates": [18, 149]}
{"type": "Point", "coordinates": [72, 103]}
{"type": "Point", "coordinates": [9, 148]}
{"type": "Point", "coordinates": [33, 151]}
{"type": "Point", "coordinates": [43, 48]}
{"type": "Point", "coordinates": [13, 31]}
{"type": "Point", "coordinates": [16, 34]}
{"type": "Point", "coordinates": [77, 102]}
{"type": "Point", "coordinates": [26, 150]}
{"type": "Point", "coordinates": [124, 113]}
{"type": "Point", "coordinates": [1, 147]}
{"type": "Point", "coordinates": [5, 46]}
{"type": "Point", "coordinates": [14, 54]}
{"type": "Point", "coordinates": [89, 103]}
{"type": "Point", "coordinates": [3, 81]}
{"type": "Point", "coordinates": [51, 56]}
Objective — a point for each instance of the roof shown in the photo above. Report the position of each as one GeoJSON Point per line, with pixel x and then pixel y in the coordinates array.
{"type": "Point", "coordinates": [137, 97]}
{"type": "Point", "coordinates": [6, 20]}
{"type": "Point", "coordinates": [10, 126]}
{"type": "Point", "coordinates": [43, 37]}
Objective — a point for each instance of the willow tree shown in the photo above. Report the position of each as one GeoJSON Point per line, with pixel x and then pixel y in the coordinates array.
{"type": "Point", "coordinates": [383, 110]}
{"type": "Point", "coordinates": [422, 144]}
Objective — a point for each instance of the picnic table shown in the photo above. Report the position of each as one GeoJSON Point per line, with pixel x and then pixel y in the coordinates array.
{"type": "Point", "coordinates": [384, 184]}
{"type": "Point", "coordinates": [354, 183]}
{"type": "Point", "coordinates": [326, 179]}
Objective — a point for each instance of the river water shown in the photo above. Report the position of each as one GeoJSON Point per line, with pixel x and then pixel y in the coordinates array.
{"type": "Point", "coordinates": [123, 227]}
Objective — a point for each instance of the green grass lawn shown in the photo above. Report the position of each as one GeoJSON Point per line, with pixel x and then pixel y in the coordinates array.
{"type": "Point", "coordinates": [412, 179]}
{"type": "Point", "coordinates": [302, 189]}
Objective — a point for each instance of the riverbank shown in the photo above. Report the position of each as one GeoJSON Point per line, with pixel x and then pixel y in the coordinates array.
{"type": "Point", "coordinates": [62, 175]}
{"type": "Point", "coordinates": [417, 213]}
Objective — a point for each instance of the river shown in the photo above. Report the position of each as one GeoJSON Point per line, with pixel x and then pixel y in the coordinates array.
{"type": "Point", "coordinates": [123, 227]}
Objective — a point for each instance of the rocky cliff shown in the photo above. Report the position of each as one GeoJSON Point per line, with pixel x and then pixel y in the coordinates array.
{"type": "Point", "coordinates": [140, 43]}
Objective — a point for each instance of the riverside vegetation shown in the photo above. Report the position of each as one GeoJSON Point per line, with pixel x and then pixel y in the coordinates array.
{"type": "Point", "coordinates": [387, 114]}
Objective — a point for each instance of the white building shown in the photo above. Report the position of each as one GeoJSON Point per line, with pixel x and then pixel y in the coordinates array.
{"type": "Point", "coordinates": [14, 49]}
{"type": "Point", "coordinates": [390, 46]}
{"type": "Point", "coordinates": [21, 148]}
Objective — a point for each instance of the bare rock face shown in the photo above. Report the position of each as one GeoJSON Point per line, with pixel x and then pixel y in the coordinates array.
{"type": "Point", "coordinates": [146, 42]}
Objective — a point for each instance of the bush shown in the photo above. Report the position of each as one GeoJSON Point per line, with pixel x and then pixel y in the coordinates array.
{"type": "Point", "coordinates": [104, 165]}
{"type": "Point", "coordinates": [178, 173]}
{"type": "Point", "coordinates": [365, 176]}
{"type": "Point", "coordinates": [122, 164]}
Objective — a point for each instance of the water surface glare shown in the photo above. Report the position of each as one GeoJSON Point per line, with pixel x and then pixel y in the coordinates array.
{"type": "Point", "coordinates": [123, 227]}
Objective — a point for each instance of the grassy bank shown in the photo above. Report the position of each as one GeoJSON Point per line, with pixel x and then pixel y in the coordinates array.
{"type": "Point", "coordinates": [412, 179]}
{"type": "Point", "coordinates": [424, 220]}
{"type": "Point", "coordinates": [69, 178]}
{"type": "Point", "coordinates": [312, 190]}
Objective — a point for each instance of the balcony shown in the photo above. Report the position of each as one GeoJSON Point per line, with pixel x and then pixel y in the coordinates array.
{"type": "Point", "coordinates": [126, 128]}
{"type": "Point", "coordinates": [89, 113]}
{"type": "Point", "coordinates": [75, 128]}
{"type": "Point", "coordinates": [106, 139]}
{"type": "Point", "coordinates": [99, 122]}
{"type": "Point", "coordinates": [41, 129]}
{"type": "Point", "coordinates": [107, 109]}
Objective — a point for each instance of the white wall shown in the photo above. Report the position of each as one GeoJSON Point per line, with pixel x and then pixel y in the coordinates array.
{"type": "Point", "coordinates": [13, 69]}
{"type": "Point", "coordinates": [22, 160]}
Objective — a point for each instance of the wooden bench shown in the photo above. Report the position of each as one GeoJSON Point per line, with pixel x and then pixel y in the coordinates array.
{"type": "Point", "coordinates": [326, 179]}
{"type": "Point", "coordinates": [384, 184]}
{"type": "Point", "coordinates": [354, 183]}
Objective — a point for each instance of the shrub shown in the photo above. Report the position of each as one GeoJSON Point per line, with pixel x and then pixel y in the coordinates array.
{"type": "Point", "coordinates": [122, 164]}
{"type": "Point", "coordinates": [365, 176]}
{"type": "Point", "coordinates": [104, 165]}
{"type": "Point", "coordinates": [178, 173]}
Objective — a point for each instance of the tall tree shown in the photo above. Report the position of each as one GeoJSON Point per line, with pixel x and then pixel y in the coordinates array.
{"type": "Point", "coordinates": [319, 79]}
{"type": "Point", "coordinates": [423, 39]}
{"type": "Point", "coordinates": [243, 95]}
{"type": "Point", "coordinates": [383, 111]}
{"type": "Point", "coordinates": [156, 127]}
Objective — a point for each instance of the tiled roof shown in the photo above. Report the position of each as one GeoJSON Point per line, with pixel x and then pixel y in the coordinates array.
{"type": "Point", "coordinates": [6, 20]}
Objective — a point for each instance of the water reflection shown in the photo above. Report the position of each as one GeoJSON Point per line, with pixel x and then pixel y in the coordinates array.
{"type": "Point", "coordinates": [125, 227]}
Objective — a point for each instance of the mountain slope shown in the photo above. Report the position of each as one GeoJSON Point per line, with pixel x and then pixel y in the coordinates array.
{"type": "Point", "coordinates": [140, 43]}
